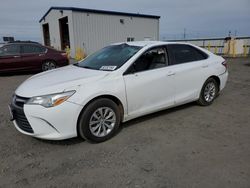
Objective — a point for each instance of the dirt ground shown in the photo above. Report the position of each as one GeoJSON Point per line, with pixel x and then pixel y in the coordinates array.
{"type": "Point", "coordinates": [188, 146]}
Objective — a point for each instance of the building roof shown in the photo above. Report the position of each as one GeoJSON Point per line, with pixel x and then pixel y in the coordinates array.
{"type": "Point", "coordinates": [100, 12]}
{"type": "Point", "coordinates": [202, 39]}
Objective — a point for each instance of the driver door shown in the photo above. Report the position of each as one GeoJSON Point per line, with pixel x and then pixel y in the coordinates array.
{"type": "Point", "coordinates": [149, 83]}
{"type": "Point", "coordinates": [10, 57]}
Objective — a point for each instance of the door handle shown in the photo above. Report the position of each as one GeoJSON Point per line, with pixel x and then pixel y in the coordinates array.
{"type": "Point", "coordinates": [204, 66]}
{"type": "Point", "coordinates": [16, 56]}
{"type": "Point", "coordinates": [171, 74]}
{"type": "Point", "coordinates": [41, 54]}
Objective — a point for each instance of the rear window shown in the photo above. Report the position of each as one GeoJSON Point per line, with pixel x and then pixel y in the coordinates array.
{"type": "Point", "coordinates": [182, 53]}
{"type": "Point", "coordinates": [26, 49]}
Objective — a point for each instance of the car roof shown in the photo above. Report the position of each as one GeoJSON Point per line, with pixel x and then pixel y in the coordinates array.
{"type": "Point", "coordinates": [149, 43]}
{"type": "Point", "coordinates": [20, 43]}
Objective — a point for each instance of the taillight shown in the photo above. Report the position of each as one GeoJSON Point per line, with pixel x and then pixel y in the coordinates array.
{"type": "Point", "coordinates": [64, 54]}
{"type": "Point", "coordinates": [224, 63]}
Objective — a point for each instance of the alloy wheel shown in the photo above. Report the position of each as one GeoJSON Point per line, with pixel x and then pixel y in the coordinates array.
{"type": "Point", "coordinates": [209, 92]}
{"type": "Point", "coordinates": [48, 66]}
{"type": "Point", "coordinates": [102, 121]}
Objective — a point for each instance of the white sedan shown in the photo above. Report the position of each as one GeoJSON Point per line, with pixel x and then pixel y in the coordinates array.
{"type": "Point", "coordinates": [120, 82]}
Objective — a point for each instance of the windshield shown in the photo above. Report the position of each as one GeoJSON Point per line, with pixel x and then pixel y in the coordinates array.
{"type": "Point", "coordinates": [109, 58]}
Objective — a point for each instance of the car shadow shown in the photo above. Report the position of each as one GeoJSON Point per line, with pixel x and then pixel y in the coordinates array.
{"type": "Point", "coordinates": [67, 142]}
{"type": "Point", "coordinates": [18, 73]}
{"type": "Point", "coordinates": [157, 114]}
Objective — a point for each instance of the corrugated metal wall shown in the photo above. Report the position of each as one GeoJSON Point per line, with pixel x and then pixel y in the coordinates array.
{"type": "Point", "coordinates": [93, 31]}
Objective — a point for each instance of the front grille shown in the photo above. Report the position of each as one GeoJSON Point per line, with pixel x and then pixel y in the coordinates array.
{"type": "Point", "coordinates": [22, 121]}
{"type": "Point", "coordinates": [20, 101]}
{"type": "Point", "coordinates": [18, 113]}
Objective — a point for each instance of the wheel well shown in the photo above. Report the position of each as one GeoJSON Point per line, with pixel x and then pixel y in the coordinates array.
{"type": "Point", "coordinates": [111, 97]}
{"type": "Point", "coordinates": [217, 79]}
{"type": "Point", "coordinates": [48, 60]}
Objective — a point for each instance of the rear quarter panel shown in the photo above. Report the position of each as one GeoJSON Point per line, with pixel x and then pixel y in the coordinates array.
{"type": "Point", "coordinates": [56, 56]}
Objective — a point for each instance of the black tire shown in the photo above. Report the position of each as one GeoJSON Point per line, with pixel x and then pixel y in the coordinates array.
{"type": "Point", "coordinates": [89, 113]}
{"type": "Point", "coordinates": [48, 65]}
{"type": "Point", "coordinates": [203, 101]}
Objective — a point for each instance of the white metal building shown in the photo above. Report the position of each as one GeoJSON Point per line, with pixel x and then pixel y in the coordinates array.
{"type": "Point", "coordinates": [91, 30]}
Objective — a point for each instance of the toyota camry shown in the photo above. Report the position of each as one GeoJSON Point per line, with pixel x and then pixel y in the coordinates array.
{"type": "Point", "coordinates": [120, 82]}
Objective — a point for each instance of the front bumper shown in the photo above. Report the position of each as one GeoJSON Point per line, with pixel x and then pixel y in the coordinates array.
{"type": "Point", "coordinates": [56, 123]}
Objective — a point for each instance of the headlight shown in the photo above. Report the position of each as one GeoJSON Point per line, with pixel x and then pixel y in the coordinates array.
{"type": "Point", "coordinates": [51, 100]}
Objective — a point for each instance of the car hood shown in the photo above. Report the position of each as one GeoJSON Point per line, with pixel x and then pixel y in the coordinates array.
{"type": "Point", "coordinates": [58, 80]}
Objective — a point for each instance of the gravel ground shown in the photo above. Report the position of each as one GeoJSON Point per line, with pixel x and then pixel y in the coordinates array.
{"type": "Point", "coordinates": [188, 146]}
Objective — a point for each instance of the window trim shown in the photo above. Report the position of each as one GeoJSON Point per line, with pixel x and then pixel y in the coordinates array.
{"type": "Point", "coordinates": [172, 58]}
{"type": "Point", "coordinates": [128, 72]}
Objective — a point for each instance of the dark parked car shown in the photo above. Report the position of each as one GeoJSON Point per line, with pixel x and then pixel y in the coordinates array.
{"type": "Point", "coordinates": [30, 56]}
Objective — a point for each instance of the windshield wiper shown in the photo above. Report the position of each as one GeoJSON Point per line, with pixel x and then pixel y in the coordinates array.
{"type": "Point", "coordinates": [76, 64]}
{"type": "Point", "coordinates": [88, 67]}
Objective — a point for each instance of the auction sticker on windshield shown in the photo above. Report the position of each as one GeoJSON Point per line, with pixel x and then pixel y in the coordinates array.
{"type": "Point", "coordinates": [108, 68]}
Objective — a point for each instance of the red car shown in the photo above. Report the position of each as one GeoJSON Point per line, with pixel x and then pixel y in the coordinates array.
{"type": "Point", "coordinates": [30, 56]}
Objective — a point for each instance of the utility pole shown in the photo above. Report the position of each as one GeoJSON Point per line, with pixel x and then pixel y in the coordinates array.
{"type": "Point", "coordinates": [184, 34]}
{"type": "Point", "coordinates": [235, 33]}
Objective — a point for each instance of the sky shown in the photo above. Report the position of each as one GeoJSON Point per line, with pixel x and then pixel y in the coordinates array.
{"type": "Point", "coordinates": [200, 18]}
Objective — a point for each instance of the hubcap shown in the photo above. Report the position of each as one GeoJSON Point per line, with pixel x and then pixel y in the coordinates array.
{"type": "Point", "coordinates": [49, 66]}
{"type": "Point", "coordinates": [209, 92]}
{"type": "Point", "coordinates": [102, 121]}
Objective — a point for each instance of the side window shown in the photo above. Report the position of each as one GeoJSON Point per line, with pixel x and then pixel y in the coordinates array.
{"type": "Point", "coordinates": [151, 59]}
{"type": "Point", "coordinates": [27, 49]}
{"type": "Point", "coordinates": [10, 50]}
{"type": "Point", "coordinates": [181, 53]}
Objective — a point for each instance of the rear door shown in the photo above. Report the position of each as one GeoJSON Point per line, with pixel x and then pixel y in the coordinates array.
{"type": "Point", "coordinates": [10, 57]}
{"type": "Point", "coordinates": [189, 65]}
{"type": "Point", "coordinates": [32, 56]}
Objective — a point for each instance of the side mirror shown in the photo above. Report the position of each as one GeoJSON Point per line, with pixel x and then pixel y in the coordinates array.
{"type": "Point", "coordinates": [130, 70]}
{"type": "Point", "coordinates": [134, 67]}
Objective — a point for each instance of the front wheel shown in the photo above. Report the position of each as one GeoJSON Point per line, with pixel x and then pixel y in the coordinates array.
{"type": "Point", "coordinates": [209, 92]}
{"type": "Point", "coordinates": [48, 65]}
{"type": "Point", "coordinates": [99, 121]}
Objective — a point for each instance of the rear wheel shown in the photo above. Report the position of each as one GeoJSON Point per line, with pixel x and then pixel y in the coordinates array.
{"type": "Point", "coordinates": [99, 121]}
{"type": "Point", "coordinates": [209, 92]}
{"type": "Point", "coordinates": [48, 65]}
